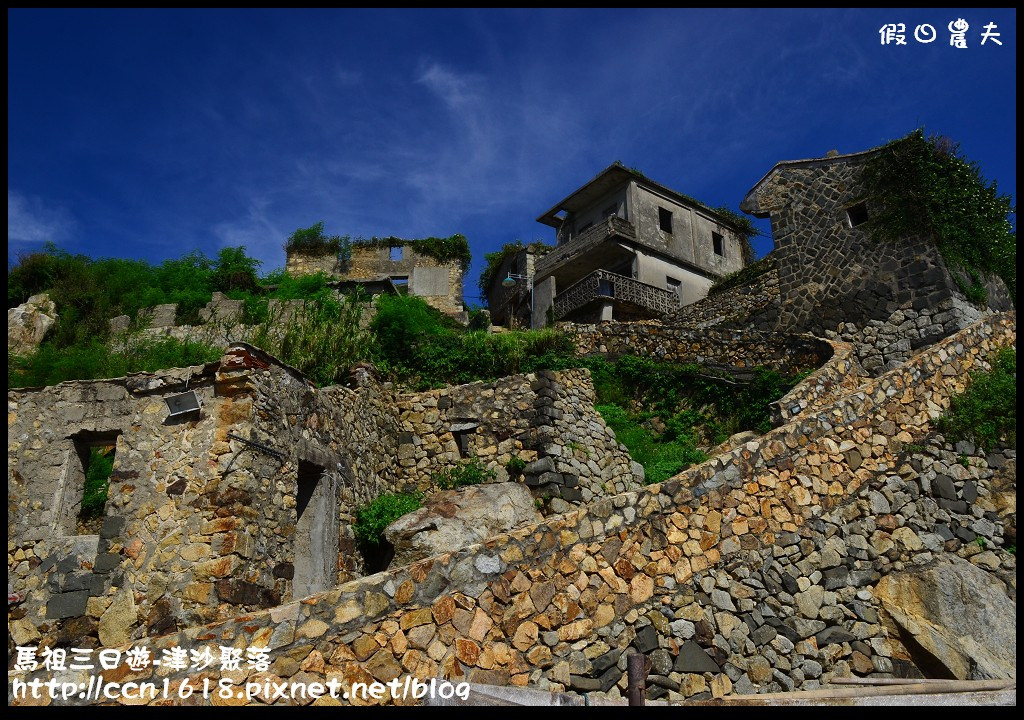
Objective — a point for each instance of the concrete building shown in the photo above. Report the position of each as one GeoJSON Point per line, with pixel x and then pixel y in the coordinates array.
{"type": "Point", "coordinates": [629, 248]}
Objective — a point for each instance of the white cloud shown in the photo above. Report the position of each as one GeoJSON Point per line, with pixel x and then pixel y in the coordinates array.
{"type": "Point", "coordinates": [348, 78]}
{"type": "Point", "coordinates": [262, 239]}
{"type": "Point", "coordinates": [31, 220]}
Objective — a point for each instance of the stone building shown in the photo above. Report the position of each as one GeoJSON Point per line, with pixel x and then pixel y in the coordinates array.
{"type": "Point", "coordinates": [404, 262]}
{"type": "Point", "coordinates": [888, 298]}
{"type": "Point", "coordinates": [235, 484]}
{"type": "Point", "coordinates": [630, 248]}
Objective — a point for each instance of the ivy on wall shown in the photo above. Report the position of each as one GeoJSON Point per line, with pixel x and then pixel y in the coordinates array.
{"type": "Point", "coordinates": [494, 260]}
{"type": "Point", "coordinates": [442, 249]}
{"type": "Point", "coordinates": [926, 187]}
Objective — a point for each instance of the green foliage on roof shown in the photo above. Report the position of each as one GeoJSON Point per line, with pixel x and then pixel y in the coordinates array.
{"type": "Point", "coordinates": [494, 260]}
{"type": "Point", "coordinates": [926, 187]}
{"type": "Point", "coordinates": [442, 249]}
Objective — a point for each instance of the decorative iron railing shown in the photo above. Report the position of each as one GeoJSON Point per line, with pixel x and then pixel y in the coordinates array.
{"type": "Point", "coordinates": [604, 284]}
{"type": "Point", "coordinates": [585, 242]}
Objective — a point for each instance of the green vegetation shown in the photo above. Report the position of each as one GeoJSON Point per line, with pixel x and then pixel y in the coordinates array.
{"type": "Point", "coordinates": [515, 466]}
{"type": "Point", "coordinates": [97, 482]}
{"type": "Point", "coordinates": [494, 260]}
{"type": "Point", "coordinates": [662, 458]}
{"type": "Point", "coordinates": [323, 341]}
{"type": "Point", "coordinates": [420, 347]}
{"type": "Point", "coordinates": [91, 359]}
{"type": "Point", "coordinates": [662, 411]}
{"type": "Point", "coordinates": [89, 292]}
{"type": "Point", "coordinates": [313, 241]}
{"type": "Point", "coordinates": [471, 472]}
{"type": "Point", "coordinates": [926, 187]}
{"type": "Point", "coordinates": [744, 275]}
{"type": "Point", "coordinates": [986, 412]}
{"type": "Point", "coordinates": [373, 518]}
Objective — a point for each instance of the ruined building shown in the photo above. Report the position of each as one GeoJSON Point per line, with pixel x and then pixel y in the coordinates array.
{"type": "Point", "coordinates": [407, 263]}
{"type": "Point", "coordinates": [630, 248]}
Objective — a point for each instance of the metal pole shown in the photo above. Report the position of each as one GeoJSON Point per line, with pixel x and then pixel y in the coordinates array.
{"type": "Point", "coordinates": [637, 667]}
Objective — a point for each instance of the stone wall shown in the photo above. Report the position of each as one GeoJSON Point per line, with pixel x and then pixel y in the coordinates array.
{"type": "Point", "coordinates": [753, 571]}
{"type": "Point", "coordinates": [198, 524]}
{"type": "Point", "coordinates": [546, 419]}
{"type": "Point", "coordinates": [221, 320]}
{"type": "Point", "coordinates": [728, 349]}
{"type": "Point", "coordinates": [438, 283]}
{"type": "Point", "coordinates": [832, 272]}
{"type": "Point", "coordinates": [735, 307]}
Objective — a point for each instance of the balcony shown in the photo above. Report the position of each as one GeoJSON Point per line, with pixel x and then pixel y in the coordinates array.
{"type": "Point", "coordinates": [603, 285]}
{"type": "Point", "coordinates": [590, 248]}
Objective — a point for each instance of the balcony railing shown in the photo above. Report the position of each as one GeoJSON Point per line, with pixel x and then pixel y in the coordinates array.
{"type": "Point", "coordinates": [585, 242]}
{"type": "Point", "coordinates": [602, 284]}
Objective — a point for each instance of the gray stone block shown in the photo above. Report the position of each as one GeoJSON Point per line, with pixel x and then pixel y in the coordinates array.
{"type": "Point", "coordinates": [646, 639]}
{"type": "Point", "coordinates": [106, 562]}
{"type": "Point", "coordinates": [693, 659]}
{"type": "Point", "coordinates": [65, 605]}
{"type": "Point", "coordinates": [112, 526]}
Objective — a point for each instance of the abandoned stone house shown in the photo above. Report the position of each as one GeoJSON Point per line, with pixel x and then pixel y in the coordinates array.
{"type": "Point", "coordinates": [438, 283]}
{"type": "Point", "coordinates": [888, 297]}
{"type": "Point", "coordinates": [235, 484]}
{"type": "Point", "coordinates": [629, 248]}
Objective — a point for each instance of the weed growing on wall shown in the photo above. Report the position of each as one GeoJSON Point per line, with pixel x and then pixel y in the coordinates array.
{"type": "Point", "coordinates": [373, 518]}
{"type": "Point", "coordinates": [471, 472]}
{"type": "Point", "coordinates": [986, 412]}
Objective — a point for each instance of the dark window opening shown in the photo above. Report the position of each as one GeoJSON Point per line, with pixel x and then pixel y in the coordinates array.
{"type": "Point", "coordinates": [719, 244]}
{"type": "Point", "coordinates": [401, 283]}
{"type": "Point", "coordinates": [673, 285]}
{"type": "Point", "coordinates": [461, 438]}
{"type": "Point", "coordinates": [396, 253]}
{"type": "Point", "coordinates": [315, 545]}
{"type": "Point", "coordinates": [89, 487]}
{"type": "Point", "coordinates": [605, 288]}
{"type": "Point", "coordinates": [665, 220]}
{"type": "Point", "coordinates": [81, 496]}
{"type": "Point", "coordinates": [857, 214]}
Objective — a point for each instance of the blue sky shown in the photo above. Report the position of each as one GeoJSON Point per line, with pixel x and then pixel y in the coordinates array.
{"type": "Point", "coordinates": [147, 134]}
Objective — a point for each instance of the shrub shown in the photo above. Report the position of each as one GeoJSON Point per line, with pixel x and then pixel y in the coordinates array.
{"type": "Point", "coordinates": [234, 270]}
{"type": "Point", "coordinates": [661, 458]}
{"type": "Point", "coordinates": [313, 241]}
{"type": "Point", "coordinates": [372, 519]}
{"type": "Point", "coordinates": [97, 482]}
{"type": "Point", "coordinates": [515, 465]}
{"type": "Point", "coordinates": [50, 365]}
{"type": "Point", "coordinates": [323, 341]}
{"type": "Point", "coordinates": [986, 412]}
{"type": "Point", "coordinates": [472, 472]}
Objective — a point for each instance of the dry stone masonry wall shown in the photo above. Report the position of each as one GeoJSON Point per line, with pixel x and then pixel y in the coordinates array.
{"type": "Point", "coordinates": [199, 524]}
{"type": "Point", "coordinates": [546, 419]}
{"type": "Point", "coordinates": [753, 571]}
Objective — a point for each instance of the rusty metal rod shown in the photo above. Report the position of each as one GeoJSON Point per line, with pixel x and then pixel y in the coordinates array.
{"type": "Point", "coordinates": [636, 676]}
